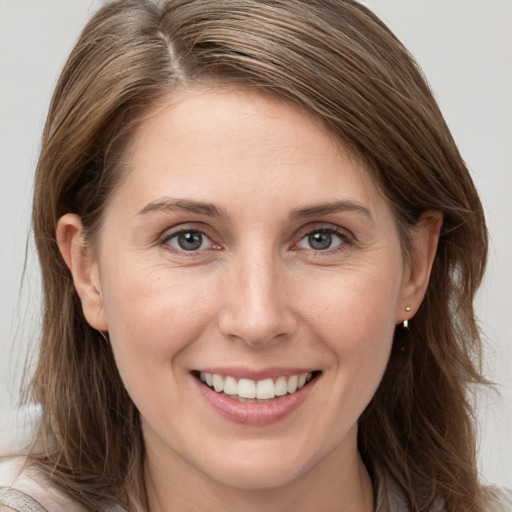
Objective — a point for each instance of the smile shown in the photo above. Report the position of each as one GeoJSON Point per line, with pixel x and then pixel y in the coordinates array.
{"type": "Point", "coordinates": [257, 401]}
{"type": "Point", "coordinates": [251, 390]}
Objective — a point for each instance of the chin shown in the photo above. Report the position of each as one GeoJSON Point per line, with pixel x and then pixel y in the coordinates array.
{"type": "Point", "coordinates": [251, 476]}
{"type": "Point", "coordinates": [263, 467]}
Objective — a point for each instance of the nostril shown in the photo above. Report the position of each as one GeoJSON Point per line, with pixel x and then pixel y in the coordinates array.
{"type": "Point", "coordinates": [256, 328]}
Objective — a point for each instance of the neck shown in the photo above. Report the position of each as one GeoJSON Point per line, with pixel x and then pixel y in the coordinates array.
{"type": "Point", "coordinates": [338, 484]}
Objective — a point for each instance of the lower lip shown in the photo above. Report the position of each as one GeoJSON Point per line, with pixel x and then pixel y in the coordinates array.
{"type": "Point", "coordinates": [256, 414]}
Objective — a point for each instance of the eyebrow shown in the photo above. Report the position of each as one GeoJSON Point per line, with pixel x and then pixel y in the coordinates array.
{"type": "Point", "coordinates": [186, 205]}
{"type": "Point", "coordinates": [333, 207]}
{"type": "Point", "coordinates": [167, 204]}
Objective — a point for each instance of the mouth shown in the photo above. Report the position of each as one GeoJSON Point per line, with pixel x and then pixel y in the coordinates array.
{"type": "Point", "coordinates": [256, 391]}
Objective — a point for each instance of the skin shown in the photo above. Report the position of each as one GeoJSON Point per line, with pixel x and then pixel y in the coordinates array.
{"type": "Point", "coordinates": [255, 295]}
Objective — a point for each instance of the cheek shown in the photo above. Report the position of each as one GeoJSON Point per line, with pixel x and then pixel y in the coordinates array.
{"type": "Point", "coordinates": [152, 318]}
{"type": "Point", "coordinates": [358, 306]}
{"type": "Point", "coordinates": [355, 319]}
{"type": "Point", "coordinates": [360, 343]}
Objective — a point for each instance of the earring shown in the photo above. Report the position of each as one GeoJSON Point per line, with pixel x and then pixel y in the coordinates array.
{"type": "Point", "coordinates": [406, 321]}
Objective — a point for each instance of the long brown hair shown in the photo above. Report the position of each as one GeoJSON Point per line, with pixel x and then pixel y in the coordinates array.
{"type": "Point", "coordinates": [337, 60]}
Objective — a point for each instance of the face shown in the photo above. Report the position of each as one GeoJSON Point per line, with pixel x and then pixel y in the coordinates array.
{"type": "Point", "coordinates": [250, 277]}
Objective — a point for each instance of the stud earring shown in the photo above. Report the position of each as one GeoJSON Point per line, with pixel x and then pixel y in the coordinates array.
{"type": "Point", "coordinates": [406, 321]}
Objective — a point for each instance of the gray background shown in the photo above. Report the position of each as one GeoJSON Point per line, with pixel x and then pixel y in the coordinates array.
{"type": "Point", "coordinates": [465, 49]}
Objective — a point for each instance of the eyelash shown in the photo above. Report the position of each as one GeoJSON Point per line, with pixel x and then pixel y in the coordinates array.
{"type": "Point", "coordinates": [345, 241]}
{"type": "Point", "coordinates": [165, 239]}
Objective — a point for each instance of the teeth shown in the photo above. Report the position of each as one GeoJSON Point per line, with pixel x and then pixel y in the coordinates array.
{"type": "Point", "coordinates": [265, 389]}
{"type": "Point", "coordinates": [261, 390]}
{"type": "Point", "coordinates": [246, 388]}
{"type": "Point", "coordinates": [218, 383]}
{"type": "Point", "coordinates": [281, 386]}
{"type": "Point", "coordinates": [292, 384]}
{"type": "Point", "coordinates": [230, 386]}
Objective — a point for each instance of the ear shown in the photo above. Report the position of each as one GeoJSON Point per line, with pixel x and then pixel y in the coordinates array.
{"type": "Point", "coordinates": [425, 236]}
{"type": "Point", "coordinates": [82, 264]}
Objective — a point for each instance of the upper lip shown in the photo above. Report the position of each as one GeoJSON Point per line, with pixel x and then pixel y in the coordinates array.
{"type": "Point", "coordinates": [240, 372]}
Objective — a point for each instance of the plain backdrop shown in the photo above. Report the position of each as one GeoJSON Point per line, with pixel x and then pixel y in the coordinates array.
{"type": "Point", "coordinates": [465, 49]}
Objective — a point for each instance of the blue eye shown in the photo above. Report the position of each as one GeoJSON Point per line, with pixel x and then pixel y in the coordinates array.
{"type": "Point", "coordinates": [189, 240]}
{"type": "Point", "coordinates": [321, 240]}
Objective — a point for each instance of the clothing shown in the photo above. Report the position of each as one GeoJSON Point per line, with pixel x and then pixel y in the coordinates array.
{"type": "Point", "coordinates": [25, 490]}
{"type": "Point", "coordinates": [34, 494]}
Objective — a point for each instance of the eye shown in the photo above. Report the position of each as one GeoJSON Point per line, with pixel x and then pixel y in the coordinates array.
{"type": "Point", "coordinates": [189, 240]}
{"type": "Point", "coordinates": [322, 239]}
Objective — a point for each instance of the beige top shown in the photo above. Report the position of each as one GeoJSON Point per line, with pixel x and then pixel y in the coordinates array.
{"type": "Point", "coordinates": [26, 490]}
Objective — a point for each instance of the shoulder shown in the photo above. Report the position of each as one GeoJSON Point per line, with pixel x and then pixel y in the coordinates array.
{"type": "Point", "coordinates": [500, 499]}
{"type": "Point", "coordinates": [13, 500]}
{"type": "Point", "coordinates": [24, 488]}
{"type": "Point", "coordinates": [391, 498]}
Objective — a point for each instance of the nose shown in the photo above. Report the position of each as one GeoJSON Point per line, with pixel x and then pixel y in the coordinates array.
{"type": "Point", "coordinates": [256, 308]}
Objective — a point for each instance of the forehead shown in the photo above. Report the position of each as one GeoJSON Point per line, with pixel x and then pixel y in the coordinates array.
{"type": "Point", "coordinates": [201, 141]}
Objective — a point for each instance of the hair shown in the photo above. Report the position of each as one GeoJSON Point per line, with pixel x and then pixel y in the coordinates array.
{"type": "Point", "coordinates": [338, 61]}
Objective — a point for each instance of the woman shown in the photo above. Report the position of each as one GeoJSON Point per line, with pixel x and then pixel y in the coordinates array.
{"type": "Point", "coordinates": [260, 248]}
